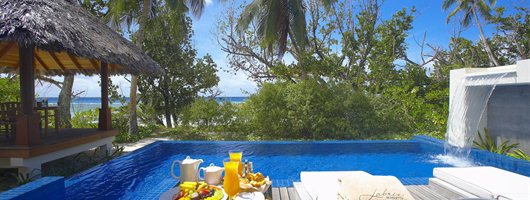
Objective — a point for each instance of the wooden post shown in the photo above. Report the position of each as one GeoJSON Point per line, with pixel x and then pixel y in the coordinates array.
{"type": "Point", "coordinates": [28, 121]}
{"type": "Point", "coordinates": [105, 120]}
{"type": "Point", "coordinates": [27, 78]}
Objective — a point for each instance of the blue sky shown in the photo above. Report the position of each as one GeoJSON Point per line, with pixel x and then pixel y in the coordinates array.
{"type": "Point", "coordinates": [429, 19]}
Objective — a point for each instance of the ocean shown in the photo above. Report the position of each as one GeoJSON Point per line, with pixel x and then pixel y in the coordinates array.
{"type": "Point", "coordinates": [87, 103]}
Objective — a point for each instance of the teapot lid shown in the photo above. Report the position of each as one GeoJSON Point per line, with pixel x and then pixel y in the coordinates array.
{"type": "Point", "coordinates": [189, 160]}
{"type": "Point", "coordinates": [212, 168]}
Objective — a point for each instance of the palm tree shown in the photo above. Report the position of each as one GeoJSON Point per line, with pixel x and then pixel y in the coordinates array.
{"type": "Point", "coordinates": [278, 20]}
{"type": "Point", "coordinates": [471, 8]}
{"type": "Point", "coordinates": [129, 11]}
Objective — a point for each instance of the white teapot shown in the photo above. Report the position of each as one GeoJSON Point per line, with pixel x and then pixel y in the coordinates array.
{"type": "Point", "coordinates": [189, 169]}
{"type": "Point", "coordinates": [212, 174]}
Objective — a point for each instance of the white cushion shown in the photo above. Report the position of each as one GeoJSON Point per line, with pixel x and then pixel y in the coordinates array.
{"type": "Point", "coordinates": [486, 182]}
{"type": "Point", "coordinates": [325, 185]}
{"type": "Point", "coordinates": [375, 187]}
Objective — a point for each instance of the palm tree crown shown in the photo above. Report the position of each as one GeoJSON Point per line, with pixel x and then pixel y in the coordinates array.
{"type": "Point", "coordinates": [467, 6]}
{"type": "Point", "coordinates": [276, 21]}
{"type": "Point", "coordinates": [470, 9]}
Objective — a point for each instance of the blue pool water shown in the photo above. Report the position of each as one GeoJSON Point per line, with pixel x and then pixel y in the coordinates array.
{"type": "Point", "coordinates": [144, 174]}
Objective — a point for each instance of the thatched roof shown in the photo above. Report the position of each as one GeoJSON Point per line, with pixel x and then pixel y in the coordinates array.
{"type": "Point", "coordinates": [68, 39]}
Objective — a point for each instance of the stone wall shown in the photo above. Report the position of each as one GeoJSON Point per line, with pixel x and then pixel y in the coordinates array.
{"type": "Point", "coordinates": [508, 115]}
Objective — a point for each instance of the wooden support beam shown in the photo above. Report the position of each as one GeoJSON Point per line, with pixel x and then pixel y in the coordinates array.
{"type": "Point", "coordinates": [76, 63]}
{"type": "Point", "coordinates": [27, 78]}
{"type": "Point", "coordinates": [28, 122]}
{"type": "Point", "coordinates": [41, 62]}
{"type": "Point", "coordinates": [6, 49]}
{"type": "Point", "coordinates": [104, 85]}
{"type": "Point", "coordinates": [94, 64]}
{"type": "Point", "coordinates": [57, 61]}
{"type": "Point", "coordinates": [105, 122]}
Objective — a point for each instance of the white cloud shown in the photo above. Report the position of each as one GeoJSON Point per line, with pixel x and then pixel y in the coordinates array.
{"type": "Point", "coordinates": [209, 2]}
{"type": "Point", "coordinates": [85, 86]}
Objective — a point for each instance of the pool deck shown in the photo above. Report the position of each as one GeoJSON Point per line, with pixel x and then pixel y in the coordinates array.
{"type": "Point", "coordinates": [129, 147]}
{"type": "Point", "coordinates": [419, 192]}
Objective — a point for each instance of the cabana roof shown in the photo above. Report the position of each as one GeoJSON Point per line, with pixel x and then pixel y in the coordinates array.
{"type": "Point", "coordinates": [68, 40]}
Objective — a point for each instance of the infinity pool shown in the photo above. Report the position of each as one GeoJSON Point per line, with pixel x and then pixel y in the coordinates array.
{"type": "Point", "coordinates": [144, 174]}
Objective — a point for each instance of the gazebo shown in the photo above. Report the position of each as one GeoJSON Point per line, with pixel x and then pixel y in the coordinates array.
{"type": "Point", "coordinates": [56, 37]}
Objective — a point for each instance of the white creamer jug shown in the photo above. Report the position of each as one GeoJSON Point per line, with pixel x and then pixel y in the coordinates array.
{"type": "Point", "coordinates": [212, 174]}
{"type": "Point", "coordinates": [189, 169]}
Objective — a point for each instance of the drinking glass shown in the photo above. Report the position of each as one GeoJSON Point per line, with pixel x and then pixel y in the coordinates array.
{"type": "Point", "coordinates": [236, 156]}
{"type": "Point", "coordinates": [231, 179]}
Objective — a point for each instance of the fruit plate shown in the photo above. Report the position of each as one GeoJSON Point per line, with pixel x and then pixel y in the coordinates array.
{"type": "Point", "coordinates": [168, 195]}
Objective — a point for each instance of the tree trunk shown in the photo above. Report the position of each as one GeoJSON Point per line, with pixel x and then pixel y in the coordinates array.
{"type": "Point", "coordinates": [64, 101]}
{"type": "Point", "coordinates": [483, 39]}
{"type": "Point", "coordinates": [175, 118]}
{"type": "Point", "coordinates": [167, 112]}
{"type": "Point", "coordinates": [133, 118]}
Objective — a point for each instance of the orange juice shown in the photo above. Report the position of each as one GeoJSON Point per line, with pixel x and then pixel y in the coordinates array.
{"type": "Point", "coordinates": [231, 179]}
{"type": "Point", "coordinates": [236, 156]}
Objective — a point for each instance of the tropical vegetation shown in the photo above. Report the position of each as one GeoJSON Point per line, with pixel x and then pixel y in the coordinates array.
{"type": "Point", "coordinates": [325, 69]}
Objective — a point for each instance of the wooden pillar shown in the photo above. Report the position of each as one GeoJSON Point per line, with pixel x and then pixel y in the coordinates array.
{"type": "Point", "coordinates": [28, 121]}
{"type": "Point", "coordinates": [105, 120]}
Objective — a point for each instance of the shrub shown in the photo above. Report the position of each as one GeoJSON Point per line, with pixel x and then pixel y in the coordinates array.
{"type": "Point", "coordinates": [89, 119]}
{"type": "Point", "coordinates": [85, 119]}
{"type": "Point", "coordinates": [314, 110]}
{"type": "Point", "coordinates": [209, 115]}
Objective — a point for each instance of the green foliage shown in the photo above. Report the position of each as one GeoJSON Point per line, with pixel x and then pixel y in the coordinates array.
{"type": "Point", "coordinates": [520, 154]}
{"type": "Point", "coordinates": [27, 177]}
{"type": "Point", "coordinates": [89, 119]}
{"type": "Point", "coordinates": [279, 21]}
{"type": "Point", "coordinates": [469, 8]}
{"type": "Point", "coordinates": [485, 142]}
{"type": "Point", "coordinates": [192, 133]}
{"type": "Point", "coordinates": [514, 37]}
{"type": "Point", "coordinates": [312, 110]}
{"type": "Point", "coordinates": [168, 41]}
{"type": "Point", "coordinates": [9, 89]}
{"type": "Point", "coordinates": [209, 115]}
{"type": "Point", "coordinates": [85, 119]}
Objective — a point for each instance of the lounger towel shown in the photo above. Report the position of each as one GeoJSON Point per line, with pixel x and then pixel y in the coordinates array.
{"type": "Point", "coordinates": [325, 185]}
{"type": "Point", "coordinates": [486, 182]}
{"type": "Point", "coordinates": [353, 187]}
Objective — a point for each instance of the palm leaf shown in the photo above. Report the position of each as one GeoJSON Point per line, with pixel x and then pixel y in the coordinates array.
{"type": "Point", "coordinates": [248, 15]}
{"type": "Point", "coordinates": [448, 3]}
{"type": "Point", "coordinates": [463, 5]}
{"type": "Point", "coordinates": [484, 9]}
{"type": "Point", "coordinates": [520, 154]}
{"type": "Point", "coordinates": [505, 148]}
{"type": "Point", "coordinates": [298, 23]}
{"type": "Point", "coordinates": [197, 6]}
{"type": "Point", "coordinates": [466, 19]}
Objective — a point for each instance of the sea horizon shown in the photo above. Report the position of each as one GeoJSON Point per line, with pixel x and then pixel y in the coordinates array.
{"type": "Point", "coordinates": [80, 104]}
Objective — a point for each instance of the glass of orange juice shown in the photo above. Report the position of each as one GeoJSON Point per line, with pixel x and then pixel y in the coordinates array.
{"type": "Point", "coordinates": [231, 179]}
{"type": "Point", "coordinates": [236, 156]}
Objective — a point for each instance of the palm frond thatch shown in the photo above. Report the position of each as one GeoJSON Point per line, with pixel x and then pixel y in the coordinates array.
{"type": "Point", "coordinates": [58, 26]}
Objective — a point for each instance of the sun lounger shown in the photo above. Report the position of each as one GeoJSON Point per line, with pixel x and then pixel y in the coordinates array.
{"type": "Point", "coordinates": [486, 182]}
{"type": "Point", "coordinates": [351, 185]}
{"type": "Point", "coordinates": [324, 185]}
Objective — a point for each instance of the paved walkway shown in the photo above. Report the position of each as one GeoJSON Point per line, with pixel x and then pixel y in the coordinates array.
{"type": "Point", "coordinates": [128, 147]}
